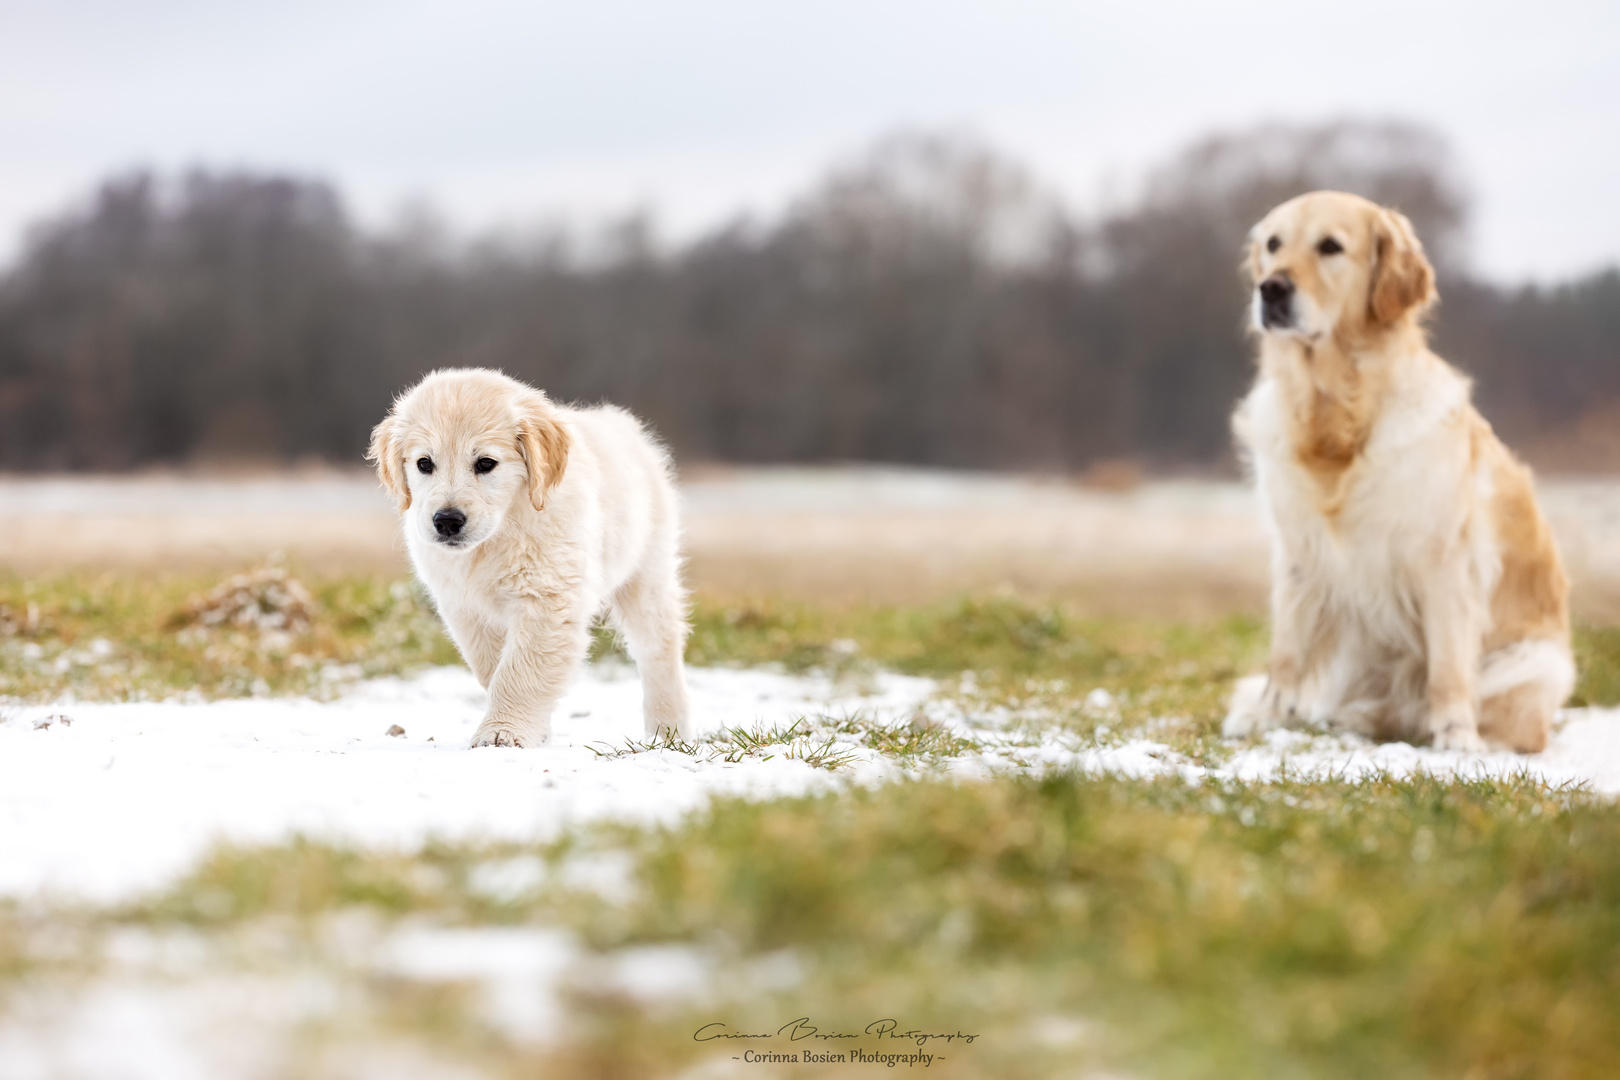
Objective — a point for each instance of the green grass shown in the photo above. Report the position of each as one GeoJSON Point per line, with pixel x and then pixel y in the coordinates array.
{"type": "Point", "coordinates": [122, 638]}
{"type": "Point", "coordinates": [821, 741]}
{"type": "Point", "coordinates": [1397, 928]}
{"type": "Point", "coordinates": [1033, 665]}
{"type": "Point", "coordinates": [1019, 653]}
{"type": "Point", "coordinates": [1299, 928]}
{"type": "Point", "coordinates": [1597, 658]}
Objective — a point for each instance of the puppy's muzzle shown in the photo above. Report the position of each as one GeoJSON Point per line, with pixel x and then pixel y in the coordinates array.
{"type": "Point", "coordinates": [448, 523]}
{"type": "Point", "coordinates": [1277, 302]}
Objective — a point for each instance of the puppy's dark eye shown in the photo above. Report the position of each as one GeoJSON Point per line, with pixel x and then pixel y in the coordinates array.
{"type": "Point", "coordinates": [484, 465]}
{"type": "Point", "coordinates": [1329, 246]}
{"type": "Point", "coordinates": [424, 465]}
{"type": "Point", "coordinates": [1274, 243]}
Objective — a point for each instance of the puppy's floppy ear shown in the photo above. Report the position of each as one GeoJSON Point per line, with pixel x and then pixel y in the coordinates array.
{"type": "Point", "coordinates": [1402, 279]}
{"type": "Point", "coordinates": [543, 440]}
{"type": "Point", "coordinates": [385, 454]}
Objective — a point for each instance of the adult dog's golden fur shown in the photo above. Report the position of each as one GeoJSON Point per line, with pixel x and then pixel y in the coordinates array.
{"type": "Point", "coordinates": [1416, 589]}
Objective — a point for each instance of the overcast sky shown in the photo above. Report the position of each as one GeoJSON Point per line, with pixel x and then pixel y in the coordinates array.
{"type": "Point", "coordinates": [511, 112]}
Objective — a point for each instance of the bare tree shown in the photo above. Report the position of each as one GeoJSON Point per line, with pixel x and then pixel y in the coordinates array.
{"type": "Point", "coordinates": [926, 302]}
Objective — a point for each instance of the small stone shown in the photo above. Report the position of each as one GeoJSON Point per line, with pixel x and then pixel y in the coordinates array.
{"type": "Point", "coordinates": [395, 731]}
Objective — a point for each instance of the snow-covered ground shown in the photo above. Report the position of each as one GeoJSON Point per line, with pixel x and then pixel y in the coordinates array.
{"type": "Point", "coordinates": [1585, 750]}
{"type": "Point", "coordinates": [128, 796]}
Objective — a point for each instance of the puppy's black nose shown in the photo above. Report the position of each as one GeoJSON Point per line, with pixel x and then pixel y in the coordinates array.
{"type": "Point", "coordinates": [1276, 292]}
{"type": "Point", "coordinates": [448, 523]}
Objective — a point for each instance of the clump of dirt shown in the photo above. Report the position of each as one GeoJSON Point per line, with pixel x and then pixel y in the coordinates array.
{"type": "Point", "coordinates": [265, 600]}
{"type": "Point", "coordinates": [14, 622]}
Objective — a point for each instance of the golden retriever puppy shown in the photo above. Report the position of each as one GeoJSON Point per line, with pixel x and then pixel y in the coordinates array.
{"type": "Point", "coordinates": [1416, 590]}
{"type": "Point", "coordinates": [526, 520]}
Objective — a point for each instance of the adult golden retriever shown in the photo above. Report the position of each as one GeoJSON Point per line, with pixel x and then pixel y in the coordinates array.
{"type": "Point", "coordinates": [1416, 590]}
{"type": "Point", "coordinates": [526, 520]}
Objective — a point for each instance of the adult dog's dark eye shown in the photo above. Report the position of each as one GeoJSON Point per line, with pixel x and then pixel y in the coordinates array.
{"type": "Point", "coordinates": [424, 465]}
{"type": "Point", "coordinates": [1274, 243]}
{"type": "Point", "coordinates": [484, 465]}
{"type": "Point", "coordinates": [1329, 246]}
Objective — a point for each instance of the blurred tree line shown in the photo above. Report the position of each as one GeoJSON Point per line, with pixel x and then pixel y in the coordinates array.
{"type": "Point", "coordinates": [925, 304]}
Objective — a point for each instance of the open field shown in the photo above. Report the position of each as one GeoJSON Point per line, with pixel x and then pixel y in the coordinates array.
{"type": "Point", "coordinates": [1171, 548]}
{"type": "Point", "coordinates": [1003, 813]}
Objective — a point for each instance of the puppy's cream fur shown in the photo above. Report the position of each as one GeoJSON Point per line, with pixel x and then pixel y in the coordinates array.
{"type": "Point", "coordinates": [577, 516]}
{"type": "Point", "coordinates": [1416, 590]}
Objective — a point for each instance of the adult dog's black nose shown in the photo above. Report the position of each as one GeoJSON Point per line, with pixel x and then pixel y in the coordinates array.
{"type": "Point", "coordinates": [449, 523]}
{"type": "Point", "coordinates": [1275, 293]}
{"type": "Point", "coordinates": [1276, 289]}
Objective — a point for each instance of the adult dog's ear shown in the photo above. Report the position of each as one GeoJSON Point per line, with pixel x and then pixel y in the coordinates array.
{"type": "Point", "coordinates": [385, 453]}
{"type": "Point", "coordinates": [1250, 264]}
{"type": "Point", "coordinates": [1402, 279]}
{"type": "Point", "coordinates": [543, 441]}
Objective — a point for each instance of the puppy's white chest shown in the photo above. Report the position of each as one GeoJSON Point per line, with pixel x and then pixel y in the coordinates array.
{"type": "Point", "coordinates": [444, 573]}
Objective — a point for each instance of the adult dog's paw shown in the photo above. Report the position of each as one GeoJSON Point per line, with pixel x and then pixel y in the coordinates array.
{"type": "Point", "coordinates": [1257, 705]}
{"type": "Point", "coordinates": [1462, 737]}
{"type": "Point", "coordinates": [498, 735]}
{"type": "Point", "coordinates": [1456, 727]}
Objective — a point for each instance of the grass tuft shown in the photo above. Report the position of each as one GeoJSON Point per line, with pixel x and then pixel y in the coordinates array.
{"type": "Point", "coordinates": [798, 740]}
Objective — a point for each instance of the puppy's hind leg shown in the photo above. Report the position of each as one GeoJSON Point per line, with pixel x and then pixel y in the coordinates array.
{"type": "Point", "coordinates": [651, 613]}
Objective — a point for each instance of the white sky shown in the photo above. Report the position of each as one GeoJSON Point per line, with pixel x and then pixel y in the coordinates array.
{"type": "Point", "coordinates": [511, 112]}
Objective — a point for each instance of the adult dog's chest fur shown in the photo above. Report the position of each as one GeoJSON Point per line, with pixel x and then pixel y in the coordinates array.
{"type": "Point", "coordinates": [1362, 491]}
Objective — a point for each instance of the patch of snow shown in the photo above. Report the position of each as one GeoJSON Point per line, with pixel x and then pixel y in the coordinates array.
{"type": "Point", "coordinates": [506, 881]}
{"type": "Point", "coordinates": [144, 1028]}
{"type": "Point", "coordinates": [652, 974]}
{"type": "Point", "coordinates": [1585, 749]}
{"type": "Point", "coordinates": [517, 969]}
{"type": "Point", "coordinates": [132, 794]}
{"type": "Point", "coordinates": [609, 875]}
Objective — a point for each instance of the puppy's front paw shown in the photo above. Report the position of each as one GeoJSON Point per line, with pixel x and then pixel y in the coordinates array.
{"type": "Point", "coordinates": [498, 735]}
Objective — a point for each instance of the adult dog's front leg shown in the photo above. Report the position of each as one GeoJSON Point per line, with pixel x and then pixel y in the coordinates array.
{"type": "Point", "coordinates": [544, 648]}
{"type": "Point", "coordinates": [1452, 629]}
{"type": "Point", "coordinates": [1276, 703]}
